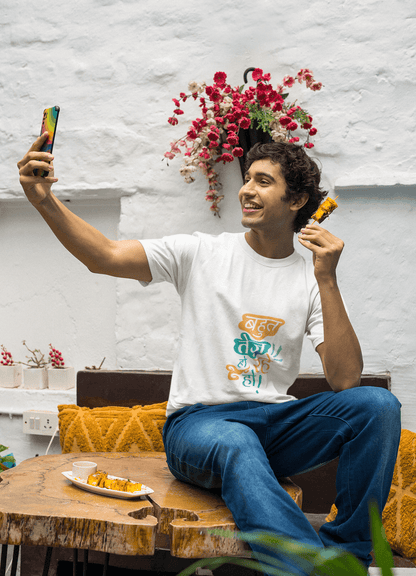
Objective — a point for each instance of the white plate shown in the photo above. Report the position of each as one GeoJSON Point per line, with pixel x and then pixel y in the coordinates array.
{"type": "Point", "coordinates": [106, 491]}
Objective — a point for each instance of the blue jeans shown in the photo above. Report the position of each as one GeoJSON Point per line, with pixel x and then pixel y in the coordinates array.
{"type": "Point", "coordinates": [243, 447]}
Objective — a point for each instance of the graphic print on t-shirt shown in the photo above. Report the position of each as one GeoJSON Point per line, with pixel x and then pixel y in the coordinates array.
{"type": "Point", "coordinates": [257, 354]}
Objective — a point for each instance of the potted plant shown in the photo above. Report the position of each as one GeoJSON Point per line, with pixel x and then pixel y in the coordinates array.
{"type": "Point", "coordinates": [34, 375]}
{"type": "Point", "coordinates": [233, 119]}
{"type": "Point", "coordinates": [8, 370]}
{"type": "Point", "coordinates": [60, 377]}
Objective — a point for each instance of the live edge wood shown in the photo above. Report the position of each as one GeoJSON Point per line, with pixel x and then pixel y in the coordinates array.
{"type": "Point", "coordinates": [39, 506]}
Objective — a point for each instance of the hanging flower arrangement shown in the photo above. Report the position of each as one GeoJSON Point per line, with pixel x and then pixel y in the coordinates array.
{"type": "Point", "coordinates": [227, 112]}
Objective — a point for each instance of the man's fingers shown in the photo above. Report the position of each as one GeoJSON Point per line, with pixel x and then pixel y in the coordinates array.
{"type": "Point", "coordinates": [37, 144]}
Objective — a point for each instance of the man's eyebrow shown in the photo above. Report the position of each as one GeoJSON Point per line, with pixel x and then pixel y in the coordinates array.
{"type": "Point", "coordinates": [259, 174]}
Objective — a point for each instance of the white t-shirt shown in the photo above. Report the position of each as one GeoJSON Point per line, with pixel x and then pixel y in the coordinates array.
{"type": "Point", "coordinates": [244, 318]}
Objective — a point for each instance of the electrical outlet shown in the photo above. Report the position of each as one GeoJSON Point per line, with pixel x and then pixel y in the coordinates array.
{"type": "Point", "coordinates": [40, 422]}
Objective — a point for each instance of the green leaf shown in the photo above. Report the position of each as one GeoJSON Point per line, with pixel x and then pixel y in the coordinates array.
{"type": "Point", "coordinates": [382, 550]}
{"type": "Point", "coordinates": [3, 448]}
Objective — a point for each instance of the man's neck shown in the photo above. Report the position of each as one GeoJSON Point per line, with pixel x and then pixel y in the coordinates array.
{"type": "Point", "coordinates": [270, 246]}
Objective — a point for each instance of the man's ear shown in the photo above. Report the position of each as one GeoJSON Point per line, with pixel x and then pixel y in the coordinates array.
{"type": "Point", "coordinates": [299, 202]}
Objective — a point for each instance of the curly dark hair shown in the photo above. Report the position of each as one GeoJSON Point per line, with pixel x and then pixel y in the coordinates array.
{"type": "Point", "coordinates": [300, 172]}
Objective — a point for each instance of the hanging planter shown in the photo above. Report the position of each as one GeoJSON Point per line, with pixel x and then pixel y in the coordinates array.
{"type": "Point", "coordinates": [233, 119]}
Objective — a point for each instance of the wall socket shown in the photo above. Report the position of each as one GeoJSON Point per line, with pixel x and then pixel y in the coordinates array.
{"type": "Point", "coordinates": [40, 422]}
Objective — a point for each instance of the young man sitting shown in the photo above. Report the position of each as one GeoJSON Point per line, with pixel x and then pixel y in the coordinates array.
{"type": "Point", "coordinates": [248, 299]}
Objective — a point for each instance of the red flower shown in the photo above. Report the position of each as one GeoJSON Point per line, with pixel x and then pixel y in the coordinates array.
{"type": "Point", "coordinates": [178, 111]}
{"type": "Point", "coordinates": [313, 131]}
{"type": "Point", "coordinates": [225, 158]}
{"type": "Point", "coordinates": [308, 145]}
{"type": "Point", "coordinates": [244, 123]}
{"type": "Point", "coordinates": [294, 139]}
{"type": "Point", "coordinates": [220, 78]}
{"type": "Point", "coordinates": [172, 120]}
{"type": "Point", "coordinates": [285, 120]}
{"type": "Point", "coordinates": [306, 125]}
{"type": "Point", "coordinates": [232, 127]}
{"type": "Point", "coordinates": [238, 152]}
{"type": "Point", "coordinates": [212, 136]}
{"type": "Point", "coordinates": [176, 102]}
{"type": "Point", "coordinates": [232, 139]}
{"type": "Point", "coordinates": [257, 74]}
{"type": "Point", "coordinates": [292, 126]}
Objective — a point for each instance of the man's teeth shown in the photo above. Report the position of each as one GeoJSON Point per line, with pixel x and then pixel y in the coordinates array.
{"type": "Point", "coordinates": [251, 205]}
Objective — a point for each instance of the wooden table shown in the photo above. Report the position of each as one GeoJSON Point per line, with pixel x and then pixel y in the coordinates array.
{"type": "Point", "coordinates": [39, 506]}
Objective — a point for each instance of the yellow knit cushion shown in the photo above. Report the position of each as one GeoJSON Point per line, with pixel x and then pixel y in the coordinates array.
{"type": "Point", "coordinates": [399, 514]}
{"type": "Point", "coordinates": [112, 428]}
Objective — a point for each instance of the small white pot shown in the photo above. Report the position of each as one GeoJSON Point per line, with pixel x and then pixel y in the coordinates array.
{"type": "Point", "coordinates": [9, 376]}
{"type": "Point", "coordinates": [35, 378]}
{"type": "Point", "coordinates": [61, 378]}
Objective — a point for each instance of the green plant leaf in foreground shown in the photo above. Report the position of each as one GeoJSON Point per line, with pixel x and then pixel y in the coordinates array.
{"type": "Point", "coordinates": [2, 448]}
{"type": "Point", "coordinates": [382, 550]}
{"type": "Point", "coordinates": [312, 560]}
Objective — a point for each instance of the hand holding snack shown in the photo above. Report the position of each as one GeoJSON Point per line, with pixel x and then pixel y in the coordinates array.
{"type": "Point", "coordinates": [324, 210]}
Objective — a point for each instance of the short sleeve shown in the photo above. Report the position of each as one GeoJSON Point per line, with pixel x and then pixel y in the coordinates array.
{"type": "Point", "coordinates": [170, 259]}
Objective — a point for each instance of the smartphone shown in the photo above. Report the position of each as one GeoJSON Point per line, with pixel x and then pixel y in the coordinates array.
{"type": "Point", "coordinates": [49, 124]}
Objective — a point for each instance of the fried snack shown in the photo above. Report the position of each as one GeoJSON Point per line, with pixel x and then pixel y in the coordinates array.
{"type": "Point", "coordinates": [324, 210]}
{"type": "Point", "coordinates": [102, 480]}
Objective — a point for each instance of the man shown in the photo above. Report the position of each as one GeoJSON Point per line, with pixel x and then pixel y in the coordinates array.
{"type": "Point", "coordinates": [248, 299]}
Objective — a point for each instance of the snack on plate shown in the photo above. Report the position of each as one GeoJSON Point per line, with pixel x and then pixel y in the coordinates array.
{"type": "Point", "coordinates": [102, 480]}
{"type": "Point", "coordinates": [324, 210]}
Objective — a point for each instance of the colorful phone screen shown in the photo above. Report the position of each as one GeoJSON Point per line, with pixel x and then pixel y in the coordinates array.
{"type": "Point", "coordinates": [49, 122]}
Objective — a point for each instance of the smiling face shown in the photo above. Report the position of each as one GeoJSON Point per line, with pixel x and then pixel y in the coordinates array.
{"type": "Point", "coordinates": [261, 199]}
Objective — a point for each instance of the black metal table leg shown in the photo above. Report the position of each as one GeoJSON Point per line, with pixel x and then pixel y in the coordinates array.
{"type": "Point", "coordinates": [47, 561]}
{"type": "Point", "coordinates": [85, 563]}
{"type": "Point", "coordinates": [74, 562]}
{"type": "Point", "coordinates": [3, 560]}
{"type": "Point", "coordinates": [106, 562]}
{"type": "Point", "coordinates": [16, 550]}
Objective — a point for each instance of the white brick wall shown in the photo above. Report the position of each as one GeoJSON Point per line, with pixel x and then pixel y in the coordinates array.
{"type": "Point", "coordinates": [113, 67]}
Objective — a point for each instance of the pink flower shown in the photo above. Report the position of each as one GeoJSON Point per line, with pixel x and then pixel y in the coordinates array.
{"type": "Point", "coordinates": [315, 86]}
{"type": "Point", "coordinates": [294, 139]}
{"type": "Point", "coordinates": [238, 152]}
{"type": "Point", "coordinates": [232, 127]}
{"type": "Point", "coordinates": [288, 81]}
{"type": "Point", "coordinates": [220, 78]}
{"type": "Point", "coordinates": [312, 131]}
{"type": "Point", "coordinates": [226, 146]}
{"type": "Point", "coordinates": [257, 74]}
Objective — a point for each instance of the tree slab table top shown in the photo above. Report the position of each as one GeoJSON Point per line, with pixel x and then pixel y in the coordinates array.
{"type": "Point", "coordinates": [39, 506]}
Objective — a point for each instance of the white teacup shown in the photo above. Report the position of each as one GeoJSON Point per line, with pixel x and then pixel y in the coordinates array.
{"type": "Point", "coordinates": [82, 469]}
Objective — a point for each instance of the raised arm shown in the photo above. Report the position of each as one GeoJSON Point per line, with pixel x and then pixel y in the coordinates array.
{"type": "Point", "coordinates": [340, 352]}
{"type": "Point", "coordinates": [122, 258]}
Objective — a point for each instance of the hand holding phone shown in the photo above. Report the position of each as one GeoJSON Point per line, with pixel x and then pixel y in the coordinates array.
{"type": "Point", "coordinates": [49, 124]}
